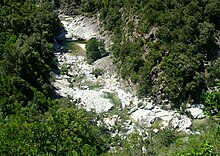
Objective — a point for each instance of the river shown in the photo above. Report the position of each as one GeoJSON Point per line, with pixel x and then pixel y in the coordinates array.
{"type": "Point", "coordinates": [107, 93]}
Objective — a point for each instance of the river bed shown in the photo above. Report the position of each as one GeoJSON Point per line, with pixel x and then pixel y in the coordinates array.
{"type": "Point", "coordinates": [106, 93]}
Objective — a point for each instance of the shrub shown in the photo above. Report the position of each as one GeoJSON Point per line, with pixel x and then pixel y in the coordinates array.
{"type": "Point", "coordinates": [94, 50]}
{"type": "Point", "coordinates": [97, 72]}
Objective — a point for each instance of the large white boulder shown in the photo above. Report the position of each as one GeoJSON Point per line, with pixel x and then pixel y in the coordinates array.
{"type": "Point", "coordinates": [81, 28]}
{"type": "Point", "coordinates": [144, 117]}
{"type": "Point", "coordinates": [196, 113]}
{"type": "Point", "coordinates": [181, 123]}
{"type": "Point", "coordinates": [140, 114]}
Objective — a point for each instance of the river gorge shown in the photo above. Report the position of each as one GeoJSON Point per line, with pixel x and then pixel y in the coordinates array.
{"type": "Point", "coordinates": [108, 93]}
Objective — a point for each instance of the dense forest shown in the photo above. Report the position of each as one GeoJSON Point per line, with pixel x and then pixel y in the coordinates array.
{"type": "Point", "coordinates": [168, 49]}
{"type": "Point", "coordinates": [26, 54]}
{"type": "Point", "coordinates": [31, 122]}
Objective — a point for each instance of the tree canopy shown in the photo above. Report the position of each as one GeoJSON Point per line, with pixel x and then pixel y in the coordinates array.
{"type": "Point", "coordinates": [94, 50]}
{"type": "Point", "coordinates": [167, 48]}
{"type": "Point", "coordinates": [31, 123]}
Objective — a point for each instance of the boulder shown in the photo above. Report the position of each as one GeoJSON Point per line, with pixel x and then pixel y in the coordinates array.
{"type": "Point", "coordinates": [143, 117]}
{"type": "Point", "coordinates": [155, 130]}
{"type": "Point", "coordinates": [162, 113]}
{"type": "Point", "coordinates": [181, 124]}
{"type": "Point", "coordinates": [93, 100]}
{"type": "Point", "coordinates": [140, 114]}
{"type": "Point", "coordinates": [149, 105]}
{"type": "Point", "coordinates": [196, 113]}
{"type": "Point", "coordinates": [144, 150]}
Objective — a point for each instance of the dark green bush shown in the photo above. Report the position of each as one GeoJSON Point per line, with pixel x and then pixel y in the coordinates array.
{"type": "Point", "coordinates": [94, 50]}
{"type": "Point", "coordinates": [98, 72]}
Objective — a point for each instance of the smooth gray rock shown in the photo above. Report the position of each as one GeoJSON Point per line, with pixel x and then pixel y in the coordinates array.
{"type": "Point", "coordinates": [155, 130]}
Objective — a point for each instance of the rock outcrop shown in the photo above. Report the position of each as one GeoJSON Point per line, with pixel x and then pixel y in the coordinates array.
{"type": "Point", "coordinates": [83, 28]}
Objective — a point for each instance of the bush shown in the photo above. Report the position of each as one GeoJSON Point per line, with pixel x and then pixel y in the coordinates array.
{"type": "Point", "coordinates": [94, 50]}
{"type": "Point", "coordinates": [97, 72]}
{"type": "Point", "coordinates": [212, 102]}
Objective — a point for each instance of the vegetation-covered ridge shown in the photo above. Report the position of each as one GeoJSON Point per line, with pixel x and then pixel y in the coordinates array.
{"type": "Point", "coordinates": [168, 48]}
{"type": "Point", "coordinates": [26, 53]}
{"type": "Point", "coordinates": [31, 123]}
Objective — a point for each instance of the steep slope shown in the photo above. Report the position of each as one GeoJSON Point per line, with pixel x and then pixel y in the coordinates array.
{"type": "Point", "coordinates": [168, 49]}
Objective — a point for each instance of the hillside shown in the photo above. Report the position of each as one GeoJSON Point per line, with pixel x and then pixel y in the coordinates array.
{"type": "Point", "coordinates": [167, 49]}
{"type": "Point", "coordinates": [109, 77]}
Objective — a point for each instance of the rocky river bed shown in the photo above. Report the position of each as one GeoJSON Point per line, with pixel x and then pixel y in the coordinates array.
{"type": "Point", "coordinates": [107, 93]}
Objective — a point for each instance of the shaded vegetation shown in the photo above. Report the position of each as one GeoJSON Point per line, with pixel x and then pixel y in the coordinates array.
{"type": "Point", "coordinates": [212, 102]}
{"type": "Point", "coordinates": [61, 131]}
{"type": "Point", "coordinates": [26, 54]}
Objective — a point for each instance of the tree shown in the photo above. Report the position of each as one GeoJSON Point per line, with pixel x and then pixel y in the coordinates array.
{"type": "Point", "coordinates": [94, 50]}
{"type": "Point", "coordinates": [205, 150]}
{"type": "Point", "coordinates": [212, 102]}
{"type": "Point", "coordinates": [63, 131]}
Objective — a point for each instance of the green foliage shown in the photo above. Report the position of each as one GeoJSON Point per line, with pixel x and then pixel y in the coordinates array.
{"type": "Point", "coordinates": [168, 142]}
{"type": "Point", "coordinates": [98, 72]}
{"type": "Point", "coordinates": [94, 50]}
{"type": "Point", "coordinates": [92, 85]}
{"type": "Point", "coordinates": [212, 102]}
{"type": "Point", "coordinates": [64, 69]}
{"type": "Point", "coordinates": [213, 73]}
{"type": "Point", "coordinates": [14, 93]}
{"type": "Point", "coordinates": [158, 143]}
{"type": "Point", "coordinates": [26, 53]}
{"type": "Point", "coordinates": [61, 131]}
{"type": "Point", "coordinates": [90, 6]}
{"type": "Point", "coordinates": [114, 99]}
{"type": "Point", "coordinates": [129, 146]}
{"type": "Point", "coordinates": [206, 150]}
{"type": "Point", "coordinates": [172, 60]}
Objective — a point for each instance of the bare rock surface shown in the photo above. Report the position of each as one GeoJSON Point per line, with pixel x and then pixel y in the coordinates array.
{"type": "Point", "coordinates": [83, 28]}
{"type": "Point", "coordinates": [105, 64]}
{"type": "Point", "coordinates": [196, 113]}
